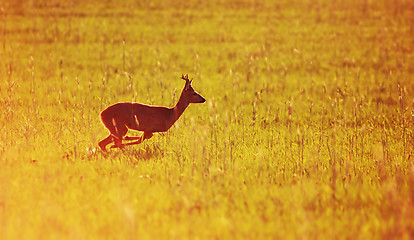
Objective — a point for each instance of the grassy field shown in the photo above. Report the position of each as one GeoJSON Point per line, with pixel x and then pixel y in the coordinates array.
{"type": "Point", "coordinates": [307, 132]}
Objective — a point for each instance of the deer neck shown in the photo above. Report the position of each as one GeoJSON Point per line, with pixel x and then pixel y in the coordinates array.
{"type": "Point", "coordinates": [179, 108]}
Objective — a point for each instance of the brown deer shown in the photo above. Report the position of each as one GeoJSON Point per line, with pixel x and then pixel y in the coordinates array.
{"type": "Point", "coordinates": [120, 117]}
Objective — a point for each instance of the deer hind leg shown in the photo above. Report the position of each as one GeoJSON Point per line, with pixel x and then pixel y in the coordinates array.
{"type": "Point", "coordinates": [118, 136]}
{"type": "Point", "coordinates": [117, 129]}
{"type": "Point", "coordinates": [102, 144]}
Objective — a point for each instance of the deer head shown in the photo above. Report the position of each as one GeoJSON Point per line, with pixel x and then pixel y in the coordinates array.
{"type": "Point", "coordinates": [189, 93]}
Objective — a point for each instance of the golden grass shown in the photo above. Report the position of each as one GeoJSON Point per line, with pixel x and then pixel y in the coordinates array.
{"type": "Point", "coordinates": [307, 131]}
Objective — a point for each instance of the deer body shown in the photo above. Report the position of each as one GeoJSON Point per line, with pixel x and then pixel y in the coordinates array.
{"type": "Point", "coordinates": [153, 119]}
{"type": "Point", "coordinates": [120, 117]}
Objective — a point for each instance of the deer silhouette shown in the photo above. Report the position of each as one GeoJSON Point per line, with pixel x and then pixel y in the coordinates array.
{"type": "Point", "coordinates": [120, 117]}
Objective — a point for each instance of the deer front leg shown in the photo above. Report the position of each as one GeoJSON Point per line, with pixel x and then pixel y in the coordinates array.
{"type": "Point", "coordinates": [128, 138]}
{"type": "Point", "coordinates": [127, 144]}
{"type": "Point", "coordinates": [146, 135]}
{"type": "Point", "coordinates": [130, 143]}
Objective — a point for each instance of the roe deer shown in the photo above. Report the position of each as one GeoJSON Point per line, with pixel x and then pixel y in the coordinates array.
{"type": "Point", "coordinates": [120, 117]}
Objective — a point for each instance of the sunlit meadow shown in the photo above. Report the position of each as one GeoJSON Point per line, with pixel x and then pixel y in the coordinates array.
{"type": "Point", "coordinates": [307, 132]}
